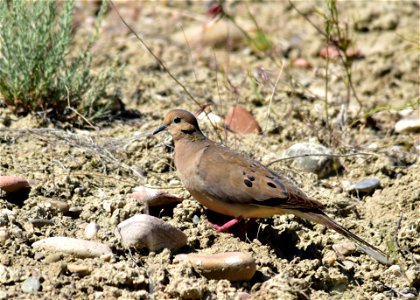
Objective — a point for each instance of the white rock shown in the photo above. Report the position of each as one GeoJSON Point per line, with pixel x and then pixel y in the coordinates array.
{"type": "Point", "coordinates": [91, 230]}
{"type": "Point", "coordinates": [4, 235]}
{"type": "Point", "coordinates": [407, 125]}
{"type": "Point", "coordinates": [312, 157]}
{"type": "Point", "coordinates": [107, 206]}
{"type": "Point", "coordinates": [72, 246]}
{"type": "Point", "coordinates": [211, 118]}
{"type": "Point", "coordinates": [145, 231]}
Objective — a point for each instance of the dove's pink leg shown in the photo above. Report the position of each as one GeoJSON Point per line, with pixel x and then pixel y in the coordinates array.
{"type": "Point", "coordinates": [227, 225]}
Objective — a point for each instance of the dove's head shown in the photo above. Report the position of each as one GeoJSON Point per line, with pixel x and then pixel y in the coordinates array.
{"type": "Point", "coordinates": [180, 124]}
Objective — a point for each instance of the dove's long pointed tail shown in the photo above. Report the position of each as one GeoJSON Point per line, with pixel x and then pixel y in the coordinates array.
{"type": "Point", "coordinates": [321, 218]}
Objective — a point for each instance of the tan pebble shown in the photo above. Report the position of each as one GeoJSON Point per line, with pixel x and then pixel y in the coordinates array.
{"type": "Point", "coordinates": [12, 184]}
{"type": "Point", "coordinates": [60, 205]}
{"type": "Point", "coordinates": [329, 258]}
{"type": "Point", "coordinates": [106, 257]}
{"type": "Point", "coordinates": [145, 231]}
{"type": "Point", "coordinates": [239, 120]}
{"type": "Point", "coordinates": [302, 63]}
{"type": "Point", "coordinates": [348, 265]}
{"type": "Point", "coordinates": [75, 211]}
{"type": "Point", "coordinates": [11, 215]}
{"type": "Point", "coordinates": [233, 266]}
{"type": "Point", "coordinates": [216, 33]}
{"type": "Point", "coordinates": [244, 296]}
{"type": "Point", "coordinates": [4, 235]}
{"type": "Point", "coordinates": [72, 246]}
{"type": "Point", "coordinates": [354, 53]}
{"type": "Point", "coordinates": [91, 230]}
{"type": "Point", "coordinates": [81, 269]}
{"type": "Point", "coordinates": [329, 52]}
{"type": "Point", "coordinates": [52, 258]}
{"type": "Point", "coordinates": [394, 270]}
{"type": "Point", "coordinates": [154, 197]}
{"type": "Point", "coordinates": [107, 205]}
{"type": "Point", "coordinates": [345, 248]}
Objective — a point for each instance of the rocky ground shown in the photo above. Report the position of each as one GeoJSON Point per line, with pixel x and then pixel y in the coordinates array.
{"type": "Point", "coordinates": [83, 176]}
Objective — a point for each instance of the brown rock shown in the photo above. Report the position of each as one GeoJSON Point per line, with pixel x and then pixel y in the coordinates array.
{"type": "Point", "coordinates": [239, 120]}
{"type": "Point", "coordinates": [12, 184]}
{"type": "Point", "coordinates": [302, 63]}
{"type": "Point", "coordinates": [233, 266]}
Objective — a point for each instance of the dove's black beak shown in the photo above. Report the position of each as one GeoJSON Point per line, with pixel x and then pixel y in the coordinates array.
{"type": "Point", "coordinates": [160, 128]}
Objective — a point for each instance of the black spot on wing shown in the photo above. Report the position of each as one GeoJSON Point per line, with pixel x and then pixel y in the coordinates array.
{"type": "Point", "coordinates": [272, 185]}
{"type": "Point", "coordinates": [273, 202]}
{"type": "Point", "coordinates": [252, 178]}
{"type": "Point", "coordinates": [248, 182]}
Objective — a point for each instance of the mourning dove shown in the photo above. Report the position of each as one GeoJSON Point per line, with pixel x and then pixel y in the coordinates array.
{"type": "Point", "coordinates": [232, 184]}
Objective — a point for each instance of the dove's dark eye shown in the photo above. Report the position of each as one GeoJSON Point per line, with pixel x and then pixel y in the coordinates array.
{"type": "Point", "coordinates": [177, 120]}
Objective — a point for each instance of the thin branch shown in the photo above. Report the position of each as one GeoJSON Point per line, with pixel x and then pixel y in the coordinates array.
{"type": "Point", "coordinates": [160, 62]}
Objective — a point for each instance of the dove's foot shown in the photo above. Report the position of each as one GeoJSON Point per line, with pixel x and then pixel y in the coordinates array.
{"type": "Point", "coordinates": [227, 225]}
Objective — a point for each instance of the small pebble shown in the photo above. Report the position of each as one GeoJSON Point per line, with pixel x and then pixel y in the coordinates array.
{"type": "Point", "coordinates": [145, 231]}
{"type": "Point", "coordinates": [244, 296]}
{"type": "Point", "coordinates": [39, 256]}
{"type": "Point", "coordinates": [302, 63]}
{"type": "Point", "coordinates": [107, 206]}
{"type": "Point", "coordinates": [348, 265]}
{"type": "Point", "coordinates": [82, 270]}
{"type": "Point", "coordinates": [329, 52]}
{"type": "Point", "coordinates": [215, 34]}
{"type": "Point", "coordinates": [154, 197]}
{"type": "Point", "coordinates": [174, 182]}
{"type": "Point", "coordinates": [74, 211]}
{"type": "Point", "coordinates": [59, 205]}
{"type": "Point", "coordinates": [394, 270]}
{"type": "Point", "coordinates": [233, 266]}
{"type": "Point", "coordinates": [364, 186]}
{"type": "Point", "coordinates": [407, 125]}
{"type": "Point", "coordinates": [52, 258]}
{"type": "Point", "coordinates": [91, 230]}
{"type": "Point", "coordinates": [4, 235]}
{"type": "Point", "coordinates": [196, 219]}
{"type": "Point", "coordinates": [31, 285]}
{"type": "Point", "coordinates": [210, 118]}
{"type": "Point", "coordinates": [345, 248]}
{"type": "Point", "coordinates": [329, 258]}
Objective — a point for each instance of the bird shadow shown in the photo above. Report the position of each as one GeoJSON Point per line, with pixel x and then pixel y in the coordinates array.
{"type": "Point", "coordinates": [283, 242]}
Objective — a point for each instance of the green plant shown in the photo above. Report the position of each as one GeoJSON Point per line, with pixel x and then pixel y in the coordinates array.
{"type": "Point", "coordinates": [338, 39]}
{"type": "Point", "coordinates": [36, 71]}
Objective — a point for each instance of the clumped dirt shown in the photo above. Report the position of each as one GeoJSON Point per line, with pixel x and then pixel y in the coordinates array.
{"type": "Point", "coordinates": [94, 171]}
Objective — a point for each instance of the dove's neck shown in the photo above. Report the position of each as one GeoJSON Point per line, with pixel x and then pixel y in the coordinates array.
{"type": "Point", "coordinates": [188, 150]}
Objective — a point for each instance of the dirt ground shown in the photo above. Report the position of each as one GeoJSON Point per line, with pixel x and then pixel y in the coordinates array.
{"type": "Point", "coordinates": [94, 171]}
